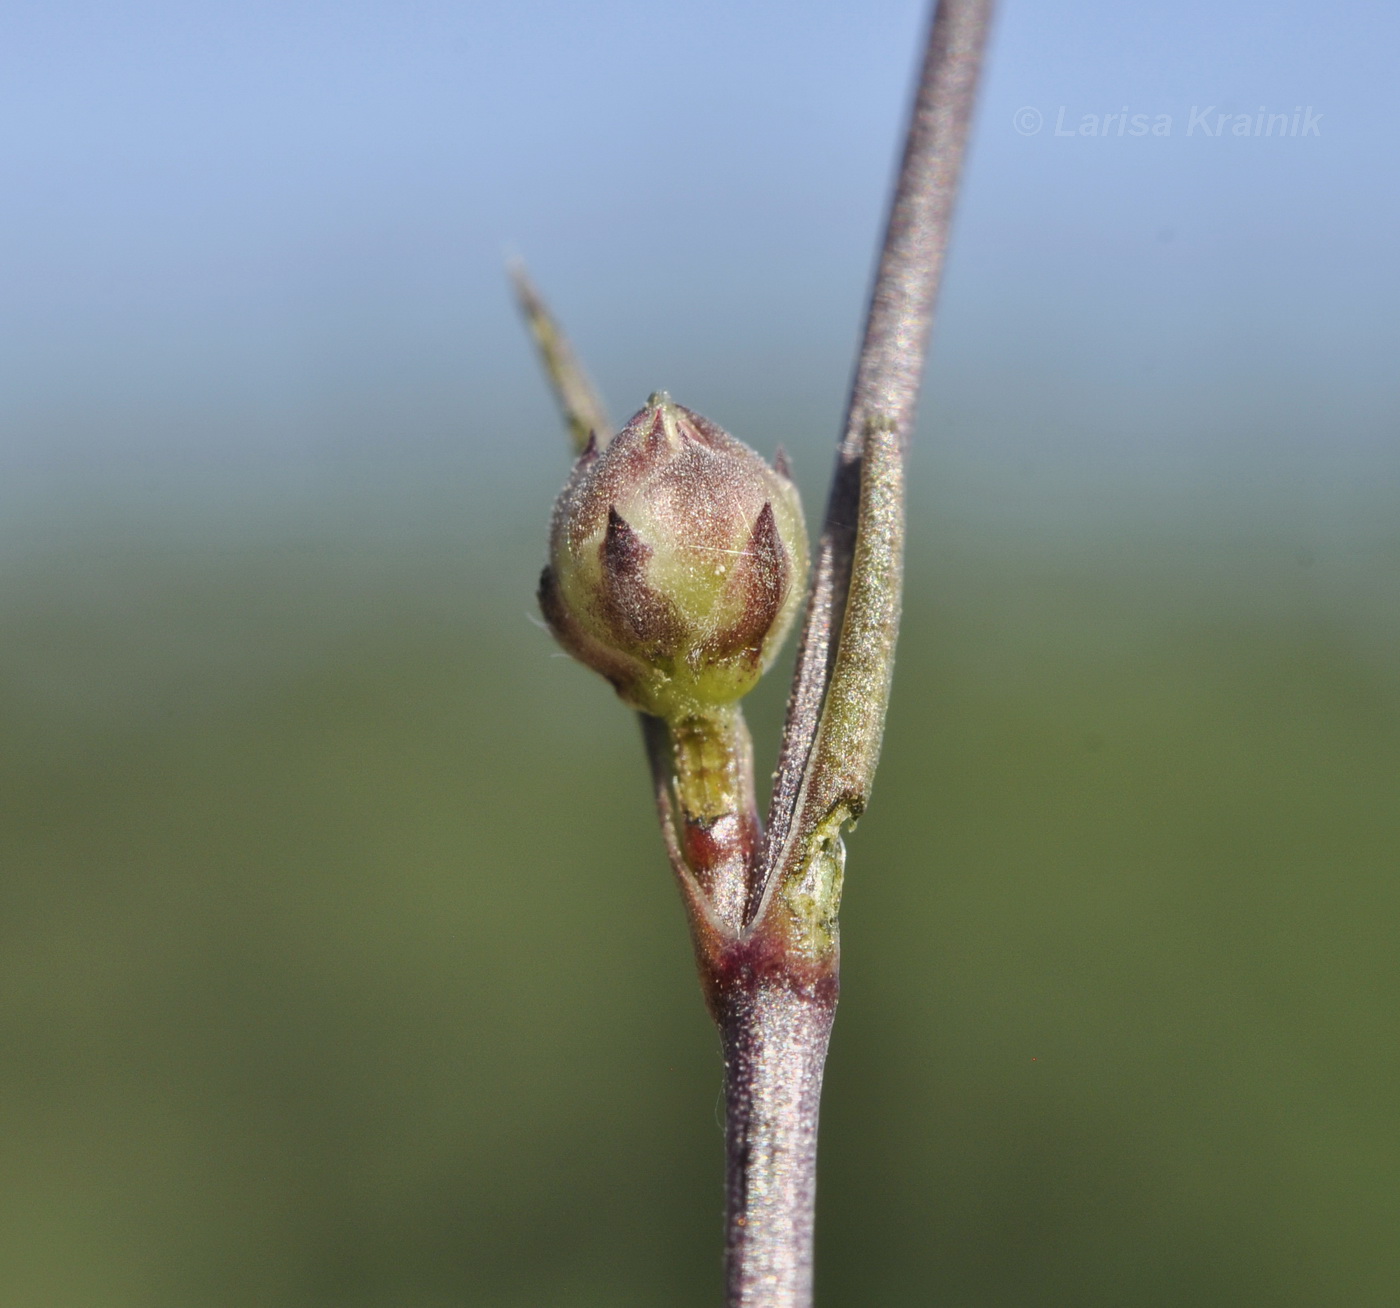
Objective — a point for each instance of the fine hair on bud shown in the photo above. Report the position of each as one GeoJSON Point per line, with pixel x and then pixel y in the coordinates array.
{"type": "Point", "coordinates": [677, 561]}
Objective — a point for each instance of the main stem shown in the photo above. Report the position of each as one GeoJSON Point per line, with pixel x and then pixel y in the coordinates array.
{"type": "Point", "coordinates": [775, 1037]}
{"type": "Point", "coordinates": [773, 1002]}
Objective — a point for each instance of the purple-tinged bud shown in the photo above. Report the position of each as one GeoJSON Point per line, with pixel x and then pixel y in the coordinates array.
{"type": "Point", "coordinates": [677, 560]}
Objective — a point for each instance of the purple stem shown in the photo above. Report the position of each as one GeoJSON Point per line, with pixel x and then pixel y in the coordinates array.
{"type": "Point", "coordinates": [774, 1008]}
{"type": "Point", "coordinates": [890, 367]}
{"type": "Point", "coordinates": [775, 1038]}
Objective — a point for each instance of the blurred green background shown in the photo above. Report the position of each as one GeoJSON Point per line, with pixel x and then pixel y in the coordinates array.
{"type": "Point", "coordinates": [339, 963]}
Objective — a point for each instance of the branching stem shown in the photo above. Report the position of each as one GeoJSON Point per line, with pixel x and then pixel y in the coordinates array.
{"type": "Point", "coordinates": [763, 906]}
{"type": "Point", "coordinates": [775, 1044]}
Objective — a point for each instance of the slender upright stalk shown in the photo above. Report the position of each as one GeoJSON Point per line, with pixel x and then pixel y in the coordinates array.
{"type": "Point", "coordinates": [774, 989]}
{"type": "Point", "coordinates": [775, 1040]}
{"type": "Point", "coordinates": [763, 903]}
{"type": "Point", "coordinates": [774, 1036]}
{"type": "Point", "coordinates": [890, 366]}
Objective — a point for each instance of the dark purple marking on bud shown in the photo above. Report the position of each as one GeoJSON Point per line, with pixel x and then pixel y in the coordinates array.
{"type": "Point", "coordinates": [623, 549]}
{"type": "Point", "coordinates": [620, 670]}
{"type": "Point", "coordinates": [590, 449]}
{"type": "Point", "coordinates": [759, 583]}
{"type": "Point", "coordinates": [781, 465]}
{"type": "Point", "coordinates": [646, 614]}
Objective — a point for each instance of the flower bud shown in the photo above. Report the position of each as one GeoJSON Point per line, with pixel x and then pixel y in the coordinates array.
{"type": "Point", "coordinates": [677, 560]}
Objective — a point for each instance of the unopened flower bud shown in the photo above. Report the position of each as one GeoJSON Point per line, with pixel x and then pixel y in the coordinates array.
{"type": "Point", "coordinates": [677, 559]}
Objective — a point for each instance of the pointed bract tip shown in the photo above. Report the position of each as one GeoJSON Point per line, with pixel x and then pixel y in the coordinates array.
{"type": "Point", "coordinates": [623, 550]}
{"type": "Point", "coordinates": [526, 295]}
{"type": "Point", "coordinates": [781, 465]}
{"type": "Point", "coordinates": [667, 432]}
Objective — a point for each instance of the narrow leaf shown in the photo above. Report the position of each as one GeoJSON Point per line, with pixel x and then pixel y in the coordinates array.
{"type": "Point", "coordinates": [579, 401]}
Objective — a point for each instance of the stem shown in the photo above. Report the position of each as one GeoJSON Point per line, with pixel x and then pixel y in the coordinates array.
{"type": "Point", "coordinates": [712, 759]}
{"type": "Point", "coordinates": [890, 367]}
{"type": "Point", "coordinates": [763, 909]}
{"type": "Point", "coordinates": [774, 1037]}
{"type": "Point", "coordinates": [774, 1025]}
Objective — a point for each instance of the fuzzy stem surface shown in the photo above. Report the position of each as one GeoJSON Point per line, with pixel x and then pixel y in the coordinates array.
{"type": "Point", "coordinates": [719, 827]}
{"type": "Point", "coordinates": [890, 367]}
{"type": "Point", "coordinates": [774, 1035]}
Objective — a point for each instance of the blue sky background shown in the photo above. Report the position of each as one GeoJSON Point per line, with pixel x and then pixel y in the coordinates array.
{"type": "Point", "coordinates": [252, 253]}
{"type": "Point", "coordinates": [338, 962]}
